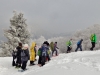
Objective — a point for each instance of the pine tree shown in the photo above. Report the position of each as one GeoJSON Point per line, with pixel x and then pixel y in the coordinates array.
{"type": "Point", "coordinates": [18, 32]}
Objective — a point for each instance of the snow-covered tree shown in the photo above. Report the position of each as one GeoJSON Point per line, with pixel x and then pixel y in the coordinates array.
{"type": "Point", "coordinates": [18, 32]}
{"type": "Point", "coordinates": [80, 34]}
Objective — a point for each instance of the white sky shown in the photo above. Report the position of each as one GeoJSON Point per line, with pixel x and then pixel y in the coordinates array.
{"type": "Point", "coordinates": [58, 15]}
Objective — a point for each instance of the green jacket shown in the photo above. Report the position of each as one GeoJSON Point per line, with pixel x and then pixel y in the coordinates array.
{"type": "Point", "coordinates": [68, 43]}
{"type": "Point", "coordinates": [93, 38]}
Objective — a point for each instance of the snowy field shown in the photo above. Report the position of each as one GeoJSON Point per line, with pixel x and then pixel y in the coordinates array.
{"type": "Point", "coordinates": [75, 63]}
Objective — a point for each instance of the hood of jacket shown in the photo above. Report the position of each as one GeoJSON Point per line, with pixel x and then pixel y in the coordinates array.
{"type": "Point", "coordinates": [33, 44]}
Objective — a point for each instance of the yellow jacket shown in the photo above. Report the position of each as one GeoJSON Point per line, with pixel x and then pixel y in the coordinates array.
{"type": "Point", "coordinates": [32, 52]}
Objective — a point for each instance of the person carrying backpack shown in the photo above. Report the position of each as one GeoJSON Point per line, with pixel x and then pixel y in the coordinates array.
{"type": "Point", "coordinates": [44, 54]}
{"type": "Point", "coordinates": [32, 53]}
{"type": "Point", "coordinates": [24, 56]}
{"type": "Point", "coordinates": [47, 51]}
{"type": "Point", "coordinates": [93, 39]}
{"type": "Point", "coordinates": [69, 43]}
{"type": "Point", "coordinates": [79, 45]}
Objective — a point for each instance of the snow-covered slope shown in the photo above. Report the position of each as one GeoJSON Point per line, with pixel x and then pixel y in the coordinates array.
{"type": "Point", "coordinates": [75, 63]}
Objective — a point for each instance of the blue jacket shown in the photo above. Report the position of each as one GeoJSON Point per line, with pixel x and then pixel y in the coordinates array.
{"type": "Point", "coordinates": [79, 42]}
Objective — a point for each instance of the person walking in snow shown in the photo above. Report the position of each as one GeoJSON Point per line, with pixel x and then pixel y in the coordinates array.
{"type": "Point", "coordinates": [44, 55]}
{"type": "Point", "coordinates": [79, 45]}
{"type": "Point", "coordinates": [55, 49]}
{"type": "Point", "coordinates": [32, 53]}
{"type": "Point", "coordinates": [24, 56]}
{"type": "Point", "coordinates": [69, 43]}
{"type": "Point", "coordinates": [18, 56]}
{"type": "Point", "coordinates": [93, 39]}
{"type": "Point", "coordinates": [48, 51]}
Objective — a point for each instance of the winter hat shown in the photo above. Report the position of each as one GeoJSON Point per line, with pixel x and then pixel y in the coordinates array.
{"type": "Point", "coordinates": [25, 46]}
{"type": "Point", "coordinates": [20, 44]}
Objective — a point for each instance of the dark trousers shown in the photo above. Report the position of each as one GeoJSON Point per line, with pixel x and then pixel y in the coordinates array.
{"type": "Point", "coordinates": [24, 63]}
{"type": "Point", "coordinates": [40, 59]}
{"type": "Point", "coordinates": [68, 49]}
{"type": "Point", "coordinates": [78, 46]}
{"type": "Point", "coordinates": [18, 62]}
{"type": "Point", "coordinates": [53, 52]}
{"type": "Point", "coordinates": [13, 62]}
{"type": "Point", "coordinates": [32, 63]}
{"type": "Point", "coordinates": [43, 60]}
{"type": "Point", "coordinates": [93, 45]}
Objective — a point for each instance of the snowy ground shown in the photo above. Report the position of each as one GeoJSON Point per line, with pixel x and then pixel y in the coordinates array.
{"type": "Point", "coordinates": [75, 63]}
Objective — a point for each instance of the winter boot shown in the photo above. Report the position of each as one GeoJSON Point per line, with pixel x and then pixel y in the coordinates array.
{"type": "Point", "coordinates": [33, 63]}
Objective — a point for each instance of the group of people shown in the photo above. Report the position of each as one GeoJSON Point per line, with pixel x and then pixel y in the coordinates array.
{"type": "Point", "coordinates": [22, 53]}
{"type": "Point", "coordinates": [93, 39]}
{"type": "Point", "coordinates": [21, 56]}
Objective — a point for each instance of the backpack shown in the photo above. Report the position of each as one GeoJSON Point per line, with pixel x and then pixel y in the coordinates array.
{"type": "Point", "coordinates": [44, 51]}
{"type": "Point", "coordinates": [78, 42]}
{"type": "Point", "coordinates": [23, 53]}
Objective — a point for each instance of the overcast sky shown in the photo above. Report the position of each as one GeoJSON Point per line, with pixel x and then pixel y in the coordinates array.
{"type": "Point", "coordinates": [55, 16]}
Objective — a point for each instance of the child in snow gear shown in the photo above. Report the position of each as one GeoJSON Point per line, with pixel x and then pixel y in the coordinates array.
{"type": "Point", "coordinates": [32, 53]}
{"type": "Point", "coordinates": [55, 49]}
{"type": "Point", "coordinates": [69, 43]}
{"type": "Point", "coordinates": [79, 45]}
{"type": "Point", "coordinates": [24, 56]}
{"type": "Point", "coordinates": [93, 39]}
{"type": "Point", "coordinates": [14, 53]}
{"type": "Point", "coordinates": [18, 56]}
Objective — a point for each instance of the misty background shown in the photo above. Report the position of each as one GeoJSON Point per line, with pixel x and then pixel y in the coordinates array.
{"type": "Point", "coordinates": [51, 18]}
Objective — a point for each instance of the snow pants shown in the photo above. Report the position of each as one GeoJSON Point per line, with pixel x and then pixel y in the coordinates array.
{"type": "Point", "coordinates": [18, 62]}
{"type": "Point", "coordinates": [43, 60]}
{"type": "Point", "coordinates": [24, 64]}
{"type": "Point", "coordinates": [53, 52]}
{"type": "Point", "coordinates": [93, 45]}
{"type": "Point", "coordinates": [39, 60]}
{"type": "Point", "coordinates": [68, 49]}
{"type": "Point", "coordinates": [78, 46]}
